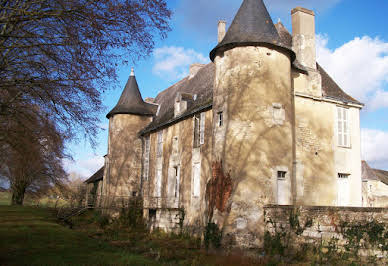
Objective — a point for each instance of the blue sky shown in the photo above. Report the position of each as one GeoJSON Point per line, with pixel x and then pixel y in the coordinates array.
{"type": "Point", "coordinates": [352, 45]}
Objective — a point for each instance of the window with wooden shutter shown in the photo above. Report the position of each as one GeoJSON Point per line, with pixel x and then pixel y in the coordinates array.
{"type": "Point", "coordinates": [202, 129]}
{"type": "Point", "coordinates": [158, 183]}
{"type": "Point", "coordinates": [147, 146]}
{"type": "Point", "coordinates": [196, 179]}
{"type": "Point", "coordinates": [159, 151]}
{"type": "Point", "coordinates": [197, 123]}
{"type": "Point", "coordinates": [343, 127]}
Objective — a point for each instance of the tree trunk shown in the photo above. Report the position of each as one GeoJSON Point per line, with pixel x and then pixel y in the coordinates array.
{"type": "Point", "coordinates": [18, 195]}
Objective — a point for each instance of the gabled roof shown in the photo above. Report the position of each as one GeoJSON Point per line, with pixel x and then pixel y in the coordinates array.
{"type": "Point", "coordinates": [97, 176]}
{"type": "Point", "coordinates": [202, 85]}
{"type": "Point", "coordinates": [369, 173]}
{"type": "Point", "coordinates": [252, 25]}
{"type": "Point", "coordinates": [131, 102]}
{"type": "Point", "coordinates": [382, 175]}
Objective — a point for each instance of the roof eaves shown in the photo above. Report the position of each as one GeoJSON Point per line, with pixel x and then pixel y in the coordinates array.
{"type": "Point", "coordinates": [176, 119]}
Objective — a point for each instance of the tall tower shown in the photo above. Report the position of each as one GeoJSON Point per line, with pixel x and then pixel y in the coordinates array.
{"type": "Point", "coordinates": [253, 121]}
{"type": "Point", "coordinates": [123, 162]}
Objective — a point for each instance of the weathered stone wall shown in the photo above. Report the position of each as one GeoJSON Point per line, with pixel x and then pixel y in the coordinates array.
{"type": "Point", "coordinates": [123, 163]}
{"type": "Point", "coordinates": [178, 151]}
{"type": "Point", "coordinates": [253, 90]}
{"type": "Point", "coordinates": [363, 231]}
{"type": "Point", "coordinates": [317, 148]}
{"type": "Point", "coordinates": [374, 194]}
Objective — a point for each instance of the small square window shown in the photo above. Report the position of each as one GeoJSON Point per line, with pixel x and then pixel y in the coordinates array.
{"type": "Point", "coordinates": [134, 193]}
{"type": "Point", "coordinates": [282, 174]}
{"type": "Point", "coordinates": [220, 119]}
{"type": "Point", "coordinates": [343, 175]}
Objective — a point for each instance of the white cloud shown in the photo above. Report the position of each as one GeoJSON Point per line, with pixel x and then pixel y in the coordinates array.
{"type": "Point", "coordinates": [359, 66]}
{"type": "Point", "coordinates": [84, 167]}
{"type": "Point", "coordinates": [374, 147]}
{"type": "Point", "coordinates": [172, 63]}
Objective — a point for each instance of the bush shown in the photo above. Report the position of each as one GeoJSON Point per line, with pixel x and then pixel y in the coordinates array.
{"type": "Point", "coordinates": [132, 216]}
{"type": "Point", "coordinates": [101, 219]}
{"type": "Point", "coordinates": [213, 236]}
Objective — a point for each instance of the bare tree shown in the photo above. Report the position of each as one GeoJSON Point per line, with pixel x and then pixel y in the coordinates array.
{"type": "Point", "coordinates": [34, 150]}
{"type": "Point", "coordinates": [60, 54]}
{"type": "Point", "coordinates": [56, 58]}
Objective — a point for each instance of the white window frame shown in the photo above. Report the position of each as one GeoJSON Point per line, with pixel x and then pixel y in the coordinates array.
{"type": "Point", "coordinates": [177, 180]}
{"type": "Point", "coordinates": [196, 187]}
{"type": "Point", "coordinates": [202, 129]}
{"type": "Point", "coordinates": [343, 127]}
{"type": "Point", "coordinates": [147, 148]}
{"type": "Point", "coordinates": [158, 183]}
{"type": "Point", "coordinates": [343, 200]}
{"type": "Point", "coordinates": [159, 146]}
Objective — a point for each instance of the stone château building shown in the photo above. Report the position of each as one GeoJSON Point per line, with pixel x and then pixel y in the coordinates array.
{"type": "Point", "coordinates": [263, 123]}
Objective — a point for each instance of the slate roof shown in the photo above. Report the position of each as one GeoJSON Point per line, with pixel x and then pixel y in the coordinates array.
{"type": "Point", "coordinates": [97, 176]}
{"type": "Point", "coordinates": [382, 175]}
{"type": "Point", "coordinates": [369, 173]}
{"type": "Point", "coordinates": [252, 25]}
{"type": "Point", "coordinates": [202, 85]}
{"type": "Point", "coordinates": [131, 102]}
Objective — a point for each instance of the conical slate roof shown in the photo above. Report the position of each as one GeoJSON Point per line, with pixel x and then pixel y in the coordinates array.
{"type": "Point", "coordinates": [251, 26]}
{"type": "Point", "coordinates": [131, 102]}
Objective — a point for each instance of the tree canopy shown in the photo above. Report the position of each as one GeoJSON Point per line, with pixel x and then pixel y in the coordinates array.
{"type": "Point", "coordinates": [58, 56]}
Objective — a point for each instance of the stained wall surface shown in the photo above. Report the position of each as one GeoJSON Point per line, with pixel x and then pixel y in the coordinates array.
{"type": "Point", "coordinates": [178, 152]}
{"type": "Point", "coordinates": [122, 178]}
{"type": "Point", "coordinates": [253, 91]}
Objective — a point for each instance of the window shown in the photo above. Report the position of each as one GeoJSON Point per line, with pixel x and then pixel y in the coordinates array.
{"type": "Point", "coordinates": [199, 130]}
{"type": "Point", "coordinates": [196, 179]}
{"type": "Point", "coordinates": [176, 174]}
{"type": "Point", "coordinates": [343, 175]}
{"type": "Point", "coordinates": [197, 119]}
{"type": "Point", "coordinates": [202, 129]}
{"type": "Point", "coordinates": [159, 151]}
{"type": "Point", "coordinates": [147, 146]}
{"type": "Point", "coordinates": [343, 127]}
{"type": "Point", "coordinates": [158, 183]}
{"type": "Point", "coordinates": [220, 119]}
{"type": "Point", "coordinates": [343, 189]}
{"type": "Point", "coordinates": [282, 174]}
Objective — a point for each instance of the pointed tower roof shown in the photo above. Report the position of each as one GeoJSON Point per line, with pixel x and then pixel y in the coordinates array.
{"type": "Point", "coordinates": [131, 102]}
{"type": "Point", "coordinates": [251, 26]}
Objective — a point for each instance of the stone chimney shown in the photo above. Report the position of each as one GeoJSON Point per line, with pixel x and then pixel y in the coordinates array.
{"type": "Point", "coordinates": [221, 30]}
{"type": "Point", "coordinates": [303, 36]}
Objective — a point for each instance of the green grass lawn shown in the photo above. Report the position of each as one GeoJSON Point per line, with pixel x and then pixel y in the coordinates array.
{"type": "Point", "coordinates": [5, 198]}
{"type": "Point", "coordinates": [31, 236]}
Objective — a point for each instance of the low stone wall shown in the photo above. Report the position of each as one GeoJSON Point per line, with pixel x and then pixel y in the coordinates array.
{"type": "Point", "coordinates": [362, 232]}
